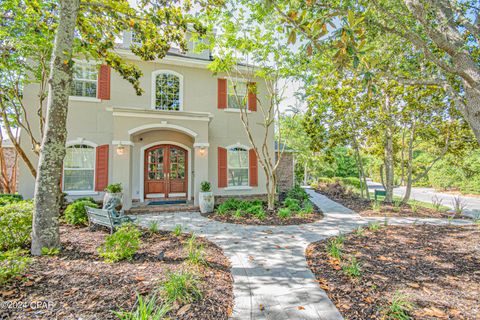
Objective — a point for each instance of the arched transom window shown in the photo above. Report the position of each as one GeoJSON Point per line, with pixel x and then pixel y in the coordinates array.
{"type": "Point", "coordinates": [167, 90]}
{"type": "Point", "coordinates": [79, 168]}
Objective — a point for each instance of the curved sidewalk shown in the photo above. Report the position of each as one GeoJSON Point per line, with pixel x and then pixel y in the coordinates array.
{"type": "Point", "coordinates": [271, 276]}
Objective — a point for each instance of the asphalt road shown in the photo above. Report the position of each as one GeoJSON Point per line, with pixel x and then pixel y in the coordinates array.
{"type": "Point", "coordinates": [427, 194]}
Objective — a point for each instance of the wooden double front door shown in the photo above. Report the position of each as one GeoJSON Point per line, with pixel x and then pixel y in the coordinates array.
{"type": "Point", "coordinates": [166, 170]}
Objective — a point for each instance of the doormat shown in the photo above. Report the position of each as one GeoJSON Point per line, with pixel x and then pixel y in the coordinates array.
{"type": "Point", "coordinates": [161, 202]}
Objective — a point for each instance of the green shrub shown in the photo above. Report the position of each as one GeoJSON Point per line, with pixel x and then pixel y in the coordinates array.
{"type": "Point", "coordinates": [146, 309]}
{"type": "Point", "coordinates": [89, 199]}
{"type": "Point", "coordinates": [12, 264]}
{"type": "Point", "coordinates": [121, 245]}
{"type": "Point", "coordinates": [399, 308]}
{"type": "Point", "coordinates": [228, 205]}
{"type": "Point", "coordinates": [238, 214]}
{"type": "Point", "coordinates": [352, 181]}
{"type": "Point", "coordinates": [50, 251]}
{"type": "Point", "coordinates": [257, 210]}
{"type": "Point", "coordinates": [205, 186]}
{"type": "Point", "coordinates": [292, 204]}
{"type": "Point", "coordinates": [352, 268]}
{"type": "Point", "coordinates": [325, 180]}
{"type": "Point", "coordinates": [181, 287]}
{"type": "Point", "coordinates": [153, 226]}
{"type": "Point", "coordinates": [76, 213]}
{"type": "Point", "coordinates": [15, 225]}
{"type": "Point", "coordinates": [284, 213]}
{"type": "Point", "coordinates": [196, 252]}
{"type": "Point", "coordinates": [307, 209]}
{"type": "Point", "coordinates": [177, 230]}
{"type": "Point", "coordinates": [334, 248]}
{"type": "Point", "coordinates": [114, 188]}
{"type": "Point", "coordinates": [374, 226]}
{"type": "Point", "coordinates": [298, 193]}
{"type": "Point", "coordinates": [9, 199]}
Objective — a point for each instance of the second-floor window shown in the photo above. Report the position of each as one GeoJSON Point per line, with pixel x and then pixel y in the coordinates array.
{"type": "Point", "coordinates": [85, 77]}
{"type": "Point", "coordinates": [167, 90]}
{"type": "Point", "coordinates": [237, 94]}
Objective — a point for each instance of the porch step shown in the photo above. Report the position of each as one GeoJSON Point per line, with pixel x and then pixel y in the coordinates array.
{"type": "Point", "coordinates": [145, 209]}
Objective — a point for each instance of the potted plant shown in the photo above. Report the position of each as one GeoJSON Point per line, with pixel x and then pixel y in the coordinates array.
{"type": "Point", "coordinates": [205, 197]}
{"type": "Point", "coordinates": [113, 196]}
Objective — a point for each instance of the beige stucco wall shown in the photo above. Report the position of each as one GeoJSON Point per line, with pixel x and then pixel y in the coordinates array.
{"type": "Point", "coordinates": [101, 122]}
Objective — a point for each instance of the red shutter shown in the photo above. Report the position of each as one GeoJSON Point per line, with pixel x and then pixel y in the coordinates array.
{"type": "Point", "coordinates": [101, 168]}
{"type": "Point", "coordinates": [252, 96]}
{"type": "Point", "coordinates": [253, 167]}
{"type": "Point", "coordinates": [222, 167]}
{"type": "Point", "coordinates": [104, 82]}
{"type": "Point", "coordinates": [222, 93]}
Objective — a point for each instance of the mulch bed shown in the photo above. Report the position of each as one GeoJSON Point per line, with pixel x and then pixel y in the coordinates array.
{"type": "Point", "coordinates": [271, 218]}
{"type": "Point", "coordinates": [437, 268]}
{"type": "Point", "coordinates": [80, 285]}
{"type": "Point", "coordinates": [364, 207]}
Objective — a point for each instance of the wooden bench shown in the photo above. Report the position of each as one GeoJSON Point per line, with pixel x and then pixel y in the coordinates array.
{"type": "Point", "coordinates": [106, 218]}
{"type": "Point", "coordinates": [380, 193]}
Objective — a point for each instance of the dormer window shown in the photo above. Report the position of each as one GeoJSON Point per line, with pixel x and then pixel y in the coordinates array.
{"type": "Point", "coordinates": [167, 90]}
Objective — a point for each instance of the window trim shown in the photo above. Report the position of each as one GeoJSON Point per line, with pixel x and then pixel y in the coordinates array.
{"type": "Point", "coordinates": [81, 141]}
{"type": "Point", "coordinates": [84, 98]}
{"type": "Point", "coordinates": [247, 149]}
{"type": "Point", "coordinates": [233, 79]}
{"type": "Point", "coordinates": [154, 86]}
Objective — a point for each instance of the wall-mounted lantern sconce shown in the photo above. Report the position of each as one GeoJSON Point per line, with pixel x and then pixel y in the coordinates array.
{"type": "Point", "coordinates": [120, 149]}
{"type": "Point", "coordinates": [202, 151]}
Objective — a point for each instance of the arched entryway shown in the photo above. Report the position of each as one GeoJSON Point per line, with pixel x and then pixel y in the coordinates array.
{"type": "Point", "coordinates": [165, 172]}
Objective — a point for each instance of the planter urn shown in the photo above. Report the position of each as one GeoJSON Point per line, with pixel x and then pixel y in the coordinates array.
{"type": "Point", "coordinates": [206, 201]}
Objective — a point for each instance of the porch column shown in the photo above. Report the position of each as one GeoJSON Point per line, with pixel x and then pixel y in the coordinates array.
{"type": "Point", "coordinates": [122, 171]}
{"type": "Point", "coordinates": [200, 167]}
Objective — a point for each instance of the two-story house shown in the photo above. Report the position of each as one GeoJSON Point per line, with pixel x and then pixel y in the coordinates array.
{"type": "Point", "coordinates": [183, 130]}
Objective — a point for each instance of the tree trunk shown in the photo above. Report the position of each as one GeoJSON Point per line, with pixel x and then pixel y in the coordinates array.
{"type": "Point", "coordinates": [408, 190]}
{"type": "Point", "coordinates": [45, 231]}
{"type": "Point", "coordinates": [305, 171]}
{"type": "Point", "coordinates": [389, 174]}
{"type": "Point", "coordinates": [471, 112]}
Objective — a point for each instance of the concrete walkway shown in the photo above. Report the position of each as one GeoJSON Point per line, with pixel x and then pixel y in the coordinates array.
{"type": "Point", "coordinates": [271, 276]}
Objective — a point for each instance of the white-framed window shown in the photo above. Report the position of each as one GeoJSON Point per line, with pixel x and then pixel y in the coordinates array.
{"type": "Point", "coordinates": [167, 90]}
{"type": "Point", "coordinates": [79, 168]}
{"type": "Point", "coordinates": [85, 77]}
{"type": "Point", "coordinates": [237, 166]}
{"type": "Point", "coordinates": [237, 94]}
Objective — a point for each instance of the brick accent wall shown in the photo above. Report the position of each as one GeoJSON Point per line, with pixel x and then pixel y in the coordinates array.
{"type": "Point", "coordinates": [9, 153]}
{"type": "Point", "coordinates": [285, 173]}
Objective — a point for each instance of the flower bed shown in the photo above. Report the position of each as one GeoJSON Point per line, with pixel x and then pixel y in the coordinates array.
{"type": "Point", "coordinates": [401, 272]}
{"type": "Point", "coordinates": [78, 282]}
{"type": "Point", "coordinates": [295, 209]}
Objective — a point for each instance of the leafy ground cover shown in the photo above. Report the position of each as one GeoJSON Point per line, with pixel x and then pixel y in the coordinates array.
{"type": "Point", "coordinates": [188, 277]}
{"type": "Point", "coordinates": [401, 272]}
{"type": "Point", "coordinates": [296, 208]}
{"type": "Point", "coordinates": [352, 200]}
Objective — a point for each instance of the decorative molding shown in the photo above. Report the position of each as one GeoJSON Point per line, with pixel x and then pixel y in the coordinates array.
{"type": "Point", "coordinates": [201, 145]}
{"type": "Point", "coordinates": [238, 145]}
{"type": "Point", "coordinates": [123, 143]}
{"type": "Point", "coordinates": [81, 141]}
{"type": "Point", "coordinates": [147, 127]}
